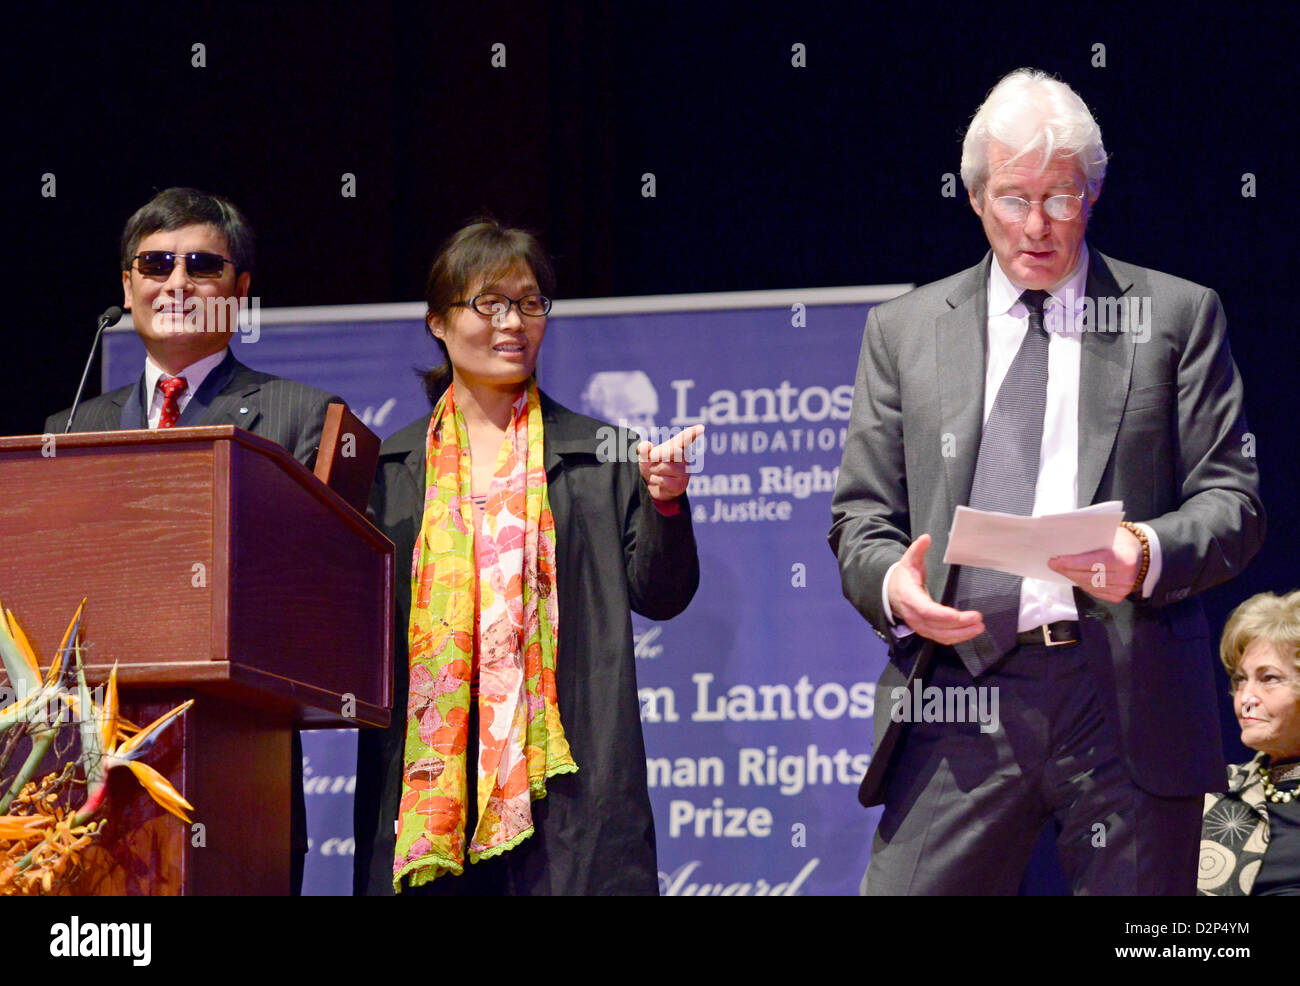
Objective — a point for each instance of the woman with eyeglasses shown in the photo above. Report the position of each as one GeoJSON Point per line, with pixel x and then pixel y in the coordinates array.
{"type": "Point", "coordinates": [515, 763]}
{"type": "Point", "coordinates": [1251, 832]}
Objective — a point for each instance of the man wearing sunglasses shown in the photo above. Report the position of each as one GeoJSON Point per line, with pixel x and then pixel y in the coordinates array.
{"type": "Point", "coordinates": [187, 258]}
{"type": "Point", "coordinates": [1044, 379]}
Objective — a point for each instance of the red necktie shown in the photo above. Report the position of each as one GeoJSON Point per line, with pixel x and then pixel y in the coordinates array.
{"type": "Point", "coordinates": [171, 388]}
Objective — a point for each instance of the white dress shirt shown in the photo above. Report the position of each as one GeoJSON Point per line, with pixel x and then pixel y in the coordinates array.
{"type": "Point", "coordinates": [194, 375]}
{"type": "Point", "coordinates": [1057, 489]}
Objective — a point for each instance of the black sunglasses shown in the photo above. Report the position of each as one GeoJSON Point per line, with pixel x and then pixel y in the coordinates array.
{"type": "Point", "coordinates": [159, 263]}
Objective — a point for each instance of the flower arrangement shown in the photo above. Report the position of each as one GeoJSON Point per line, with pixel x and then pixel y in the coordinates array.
{"type": "Point", "coordinates": [44, 831]}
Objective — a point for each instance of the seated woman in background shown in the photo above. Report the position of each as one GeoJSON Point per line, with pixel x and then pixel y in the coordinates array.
{"type": "Point", "coordinates": [515, 762]}
{"type": "Point", "coordinates": [1251, 833]}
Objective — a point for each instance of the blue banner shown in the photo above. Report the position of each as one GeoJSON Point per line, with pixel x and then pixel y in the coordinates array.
{"type": "Point", "coordinates": [757, 701]}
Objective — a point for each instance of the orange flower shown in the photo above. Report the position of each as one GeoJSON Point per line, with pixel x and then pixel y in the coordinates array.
{"type": "Point", "coordinates": [442, 815]}
{"type": "Point", "coordinates": [547, 684]}
{"type": "Point", "coordinates": [20, 638]}
{"type": "Point", "coordinates": [517, 783]}
{"type": "Point", "coordinates": [533, 660]}
{"type": "Point", "coordinates": [19, 827]}
{"type": "Point", "coordinates": [448, 741]}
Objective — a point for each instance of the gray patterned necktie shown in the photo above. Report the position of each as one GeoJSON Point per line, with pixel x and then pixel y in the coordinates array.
{"type": "Point", "coordinates": [1006, 477]}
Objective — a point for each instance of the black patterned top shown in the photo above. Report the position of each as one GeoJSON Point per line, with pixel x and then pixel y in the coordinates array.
{"type": "Point", "coordinates": [1240, 826]}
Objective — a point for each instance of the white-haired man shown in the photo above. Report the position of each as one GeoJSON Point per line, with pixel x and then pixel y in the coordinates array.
{"type": "Point", "coordinates": [1045, 378]}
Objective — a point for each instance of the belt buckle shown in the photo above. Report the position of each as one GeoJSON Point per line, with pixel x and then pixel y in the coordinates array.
{"type": "Point", "coordinates": [1049, 642]}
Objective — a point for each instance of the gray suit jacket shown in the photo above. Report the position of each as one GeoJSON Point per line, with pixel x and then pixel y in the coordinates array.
{"type": "Point", "coordinates": [289, 413]}
{"type": "Point", "coordinates": [1161, 427]}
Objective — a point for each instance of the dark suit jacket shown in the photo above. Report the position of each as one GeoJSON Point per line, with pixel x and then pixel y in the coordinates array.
{"type": "Point", "coordinates": [614, 553]}
{"type": "Point", "coordinates": [289, 413]}
{"type": "Point", "coordinates": [1161, 427]}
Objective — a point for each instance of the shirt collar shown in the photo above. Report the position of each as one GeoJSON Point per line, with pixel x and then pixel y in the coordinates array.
{"type": "Point", "coordinates": [1003, 295]}
{"type": "Point", "coordinates": [194, 374]}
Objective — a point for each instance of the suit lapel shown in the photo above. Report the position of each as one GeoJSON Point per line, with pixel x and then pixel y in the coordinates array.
{"type": "Point", "coordinates": [226, 397]}
{"type": "Point", "coordinates": [409, 447]}
{"type": "Point", "coordinates": [1106, 364]}
{"type": "Point", "coordinates": [1105, 367]}
{"type": "Point", "coordinates": [132, 409]}
{"type": "Point", "coordinates": [959, 344]}
{"type": "Point", "coordinates": [565, 435]}
{"type": "Point", "coordinates": [222, 398]}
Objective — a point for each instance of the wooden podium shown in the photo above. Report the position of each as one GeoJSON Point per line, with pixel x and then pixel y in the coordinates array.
{"type": "Point", "coordinates": [216, 567]}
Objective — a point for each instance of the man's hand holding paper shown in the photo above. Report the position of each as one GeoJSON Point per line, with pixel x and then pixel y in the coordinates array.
{"type": "Point", "coordinates": [1086, 547]}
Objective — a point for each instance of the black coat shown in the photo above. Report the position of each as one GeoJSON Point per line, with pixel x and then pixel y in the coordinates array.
{"type": "Point", "coordinates": [614, 553]}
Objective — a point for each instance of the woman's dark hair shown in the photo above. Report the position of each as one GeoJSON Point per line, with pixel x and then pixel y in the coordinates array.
{"type": "Point", "coordinates": [482, 252]}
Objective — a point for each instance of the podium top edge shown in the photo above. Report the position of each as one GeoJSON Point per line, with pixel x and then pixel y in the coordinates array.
{"type": "Point", "coordinates": [148, 436]}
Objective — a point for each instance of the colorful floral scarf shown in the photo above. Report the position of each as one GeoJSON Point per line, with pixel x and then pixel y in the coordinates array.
{"type": "Point", "coordinates": [520, 741]}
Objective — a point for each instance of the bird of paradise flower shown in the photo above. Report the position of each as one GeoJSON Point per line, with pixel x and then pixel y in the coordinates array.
{"type": "Point", "coordinates": [41, 836]}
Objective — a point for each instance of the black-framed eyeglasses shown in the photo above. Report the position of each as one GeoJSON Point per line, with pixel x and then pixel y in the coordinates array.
{"type": "Point", "coordinates": [1014, 209]}
{"type": "Point", "coordinates": [533, 305]}
{"type": "Point", "coordinates": [159, 263]}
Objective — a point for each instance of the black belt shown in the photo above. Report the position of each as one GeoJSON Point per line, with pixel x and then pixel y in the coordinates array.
{"type": "Point", "coordinates": [1060, 634]}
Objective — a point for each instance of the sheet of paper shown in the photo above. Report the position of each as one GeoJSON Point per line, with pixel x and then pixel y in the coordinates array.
{"type": "Point", "coordinates": [1022, 545]}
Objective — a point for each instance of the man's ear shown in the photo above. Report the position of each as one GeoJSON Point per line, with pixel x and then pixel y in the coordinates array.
{"type": "Point", "coordinates": [437, 328]}
{"type": "Point", "coordinates": [975, 203]}
{"type": "Point", "coordinates": [242, 283]}
{"type": "Point", "coordinates": [126, 290]}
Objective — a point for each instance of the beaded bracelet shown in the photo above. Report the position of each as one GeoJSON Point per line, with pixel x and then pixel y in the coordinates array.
{"type": "Point", "coordinates": [1141, 535]}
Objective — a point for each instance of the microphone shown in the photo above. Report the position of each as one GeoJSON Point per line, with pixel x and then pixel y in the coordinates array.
{"type": "Point", "coordinates": [111, 315]}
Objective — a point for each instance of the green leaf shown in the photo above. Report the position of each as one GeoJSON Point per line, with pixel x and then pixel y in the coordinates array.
{"type": "Point", "coordinates": [92, 744]}
{"type": "Point", "coordinates": [21, 676]}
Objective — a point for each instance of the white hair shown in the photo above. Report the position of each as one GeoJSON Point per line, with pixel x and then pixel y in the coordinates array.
{"type": "Point", "coordinates": [1030, 111]}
